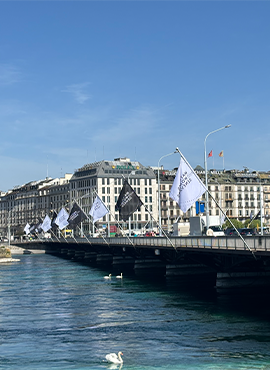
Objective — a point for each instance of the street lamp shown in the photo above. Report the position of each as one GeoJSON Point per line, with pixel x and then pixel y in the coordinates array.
{"type": "Point", "coordinates": [159, 210]}
{"type": "Point", "coordinates": [206, 179]}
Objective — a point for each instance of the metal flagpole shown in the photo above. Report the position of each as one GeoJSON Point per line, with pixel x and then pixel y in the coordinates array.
{"type": "Point", "coordinates": [208, 192]}
{"type": "Point", "coordinates": [116, 220]}
{"type": "Point", "coordinates": [161, 229]}
{"type": "Point", "coordinates": [233, 225]}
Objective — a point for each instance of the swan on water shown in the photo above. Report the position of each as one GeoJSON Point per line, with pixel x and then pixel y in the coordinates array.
{"type": "Point", "coordinates": [115, 358]}
{"type": "Point", "coordinates": [108, 277]}
{"type": "Point", "coordinates": [120, 276]}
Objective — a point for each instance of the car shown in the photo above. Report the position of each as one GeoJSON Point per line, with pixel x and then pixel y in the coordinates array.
{"type": "Point", "coordinates": [230, 232]}
{"type": "Point", "coordinates": [247, 232]}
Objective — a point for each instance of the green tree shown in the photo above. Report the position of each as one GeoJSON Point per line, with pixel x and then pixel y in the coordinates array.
{"type": "Point", "coordinates": [255, 224]}
{"type": "Point", "coordinates": [237, 224]}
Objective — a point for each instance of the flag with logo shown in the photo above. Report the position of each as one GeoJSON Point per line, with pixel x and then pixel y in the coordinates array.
{"type": "Point", "coordinates": [187, 188]}
{"type": "Point", "coordinates": [38, 228]}
{"type": "Point", "coordinates": [27, 229]}
{"type": "Point", "coordinates": [32, 228]}
{"type": "Point", "coordinates": [98, 209]}
{"type": "Point", "coordinates": [221, 154]}
{"type": "Point", "coordinates": [61, 219]}
{"type": "Point", "coordinates": [76, 216]}
{"type": "Point", "coordinates": [46, 224]}
{"type": "Point", "coordinates": [210, 154]}
{"type": "Point", "coordinates": [128, 202]}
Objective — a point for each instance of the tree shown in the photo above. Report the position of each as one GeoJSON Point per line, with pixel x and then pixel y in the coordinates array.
{"type": "Point", "coordinates": [255, 224]}
{"type": "Point", "coordinates": [237, 224]}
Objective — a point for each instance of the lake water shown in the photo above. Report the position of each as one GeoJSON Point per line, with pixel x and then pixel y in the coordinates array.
{"type": "Point", "coordinates": [58, 314]}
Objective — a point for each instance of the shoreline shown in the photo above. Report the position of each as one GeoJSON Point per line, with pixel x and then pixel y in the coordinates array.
{"type": "Point", "coordinates": [17, 250]}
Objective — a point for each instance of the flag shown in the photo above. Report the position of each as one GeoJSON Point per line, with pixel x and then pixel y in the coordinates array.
{"type": "Point", "coordinates": [46, 224]}
{"type": "Point", "coordinates": [32, 228]}
{"type": "Point", "coordinates": [54, 216]}
{"type": "Point", "coordinates": [38, 228]}
{"type": "Point", "coordinates": [61, 219]}
{"type": "Point", "coordinates": [187, 187]}
{"type": "Point", "coordinates": [221, 154]}
{"type": "Point", "coordinates": [76, 216]}
{"type": "Point", "coordinates": [27, 229]}
{"type": "Point", "coordinates": [210, 154]}
{"type": "Point", "coordinates": [98, 209]}
{"type": "Point", "coordinates": [128, 202]}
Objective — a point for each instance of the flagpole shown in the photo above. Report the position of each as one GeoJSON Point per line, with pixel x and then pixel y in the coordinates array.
{"type": "Point", "coordinates": [243, 240]}
{"type": "Point", "coordinates": [208, 192]}
{"type": "Point", "coordinates": [115, 220]}
{"type": "Point", "coordinates": [92, 223]}
{"type": "Point", "coordinates": [206, 175]}
{"type": "Point", "coordinates": [58, 228]}
{"type": "Point", "coordinates": [160, 229]}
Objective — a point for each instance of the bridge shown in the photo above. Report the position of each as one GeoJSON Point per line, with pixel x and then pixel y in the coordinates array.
{"type": "Point", "coordinates": [219, 261]}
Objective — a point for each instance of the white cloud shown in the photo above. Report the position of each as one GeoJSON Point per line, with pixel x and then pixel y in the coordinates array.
{"type": "Point", "coordinates": [78, 92]}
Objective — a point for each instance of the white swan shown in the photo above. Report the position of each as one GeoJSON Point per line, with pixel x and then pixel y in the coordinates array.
{"type": "Point", "coordinates": [108, 277]}
{"type": "Point", "coordinates": [120, 276]}
{"type": "Point", "coordinates": [114, 358]}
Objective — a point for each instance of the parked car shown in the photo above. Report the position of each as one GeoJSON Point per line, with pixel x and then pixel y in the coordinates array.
{"type": "Point", "coordinates": [230, 232]}
{"type": "Point", "coordinates": [247, 232]}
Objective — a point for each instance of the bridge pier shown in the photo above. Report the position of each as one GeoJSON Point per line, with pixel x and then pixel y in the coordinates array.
{"type": "Point", "coordinates": [242, 280]}
{"type": "Point", "coordinates": [151, 266]}
{"type": "Point", "coordinates": [90, 257]}
{"type": "Point", "coordinates": [104, 259]}
{"type": "Point", "coordinates": [123, 262]}
{"type": "Point", "coordinates": [191, 274]}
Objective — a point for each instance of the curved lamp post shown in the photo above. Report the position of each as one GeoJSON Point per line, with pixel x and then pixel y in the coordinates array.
{"type": "Point", "coordinates": [205, 169]}
{"type": "Point", "coordinates": [159, 210]}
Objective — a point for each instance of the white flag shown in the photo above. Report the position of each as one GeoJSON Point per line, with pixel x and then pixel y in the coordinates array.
{"type": "Point", "coordinates": [27, 229]}
{"type": "Point", "coordinates": [46, 224]}
{"type": "Point", "coordinates": [61, 219]}
{"type": "Point", "coordinates": [187, 188]}
{"type": "Point", "coordinates": [98, 209]}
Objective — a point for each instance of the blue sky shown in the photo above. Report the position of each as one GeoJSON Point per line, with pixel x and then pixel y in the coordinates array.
{"type": "Point", "coordinates": [89, 80]}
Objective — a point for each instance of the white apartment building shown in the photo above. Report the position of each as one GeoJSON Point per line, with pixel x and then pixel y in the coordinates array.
{"type": "Point", "coordinates": [240, 194]}
{"type": "Point", "coordinates": [106, 179]}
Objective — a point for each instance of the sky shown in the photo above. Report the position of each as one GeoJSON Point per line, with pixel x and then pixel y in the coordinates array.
{"type": "Point", "coordinates": [83, 81]}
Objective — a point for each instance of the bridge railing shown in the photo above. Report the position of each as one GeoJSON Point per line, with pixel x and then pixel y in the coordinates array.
{"type": "Point", "coordinates": [255, 243]}
{"type": "Point", "coordinates": [227, 243]}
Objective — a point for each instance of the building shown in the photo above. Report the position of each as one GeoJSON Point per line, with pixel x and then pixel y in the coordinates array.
{"type": "Point", "coordinates": [240, 194]}
{"type": "Point", "coordinates": [106, 179]}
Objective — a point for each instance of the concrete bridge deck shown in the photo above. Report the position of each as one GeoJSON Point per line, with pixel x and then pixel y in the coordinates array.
{"type": "Point", "coordinates": [225, 260]}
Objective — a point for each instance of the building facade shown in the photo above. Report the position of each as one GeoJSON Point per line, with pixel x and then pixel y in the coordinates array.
{"type": "Point", "coordinates": [240, 194]}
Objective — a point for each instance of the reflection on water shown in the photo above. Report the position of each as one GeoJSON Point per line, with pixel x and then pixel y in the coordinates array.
{"type": "Point", "coordinates": [57, 314]}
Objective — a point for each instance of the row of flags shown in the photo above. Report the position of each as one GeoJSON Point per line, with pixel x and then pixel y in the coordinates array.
{"type": "Point", "coordinates": [187, 188]}
{"type": "Point", "coordinates": [221, 154]}
{"type": "Point", "coordinates": [128, 202]}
